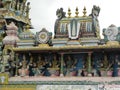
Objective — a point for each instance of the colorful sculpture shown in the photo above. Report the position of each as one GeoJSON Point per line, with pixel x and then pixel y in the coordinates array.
{"type": "Point", "coordinates": [76, 48]}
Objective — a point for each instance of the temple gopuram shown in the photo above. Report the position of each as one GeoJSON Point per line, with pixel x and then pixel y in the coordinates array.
{"type": "Point", "coordinates": [73, 57]}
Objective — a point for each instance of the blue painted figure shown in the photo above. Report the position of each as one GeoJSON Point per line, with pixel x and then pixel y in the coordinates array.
{"type": "Point", "coordinates": [79, 65]}
{"type": "Point", "coordinates": [96, 67]}
{"type": "Point", "coordinates": [115, 67]}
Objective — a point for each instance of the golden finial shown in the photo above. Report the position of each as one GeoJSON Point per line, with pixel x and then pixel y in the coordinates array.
{"type": "Point", "coordinates": [69, 12]}
{"type": "Point", "coordinates": [84, 12]}
{"type": "Point", "coordinates": [76, 12]}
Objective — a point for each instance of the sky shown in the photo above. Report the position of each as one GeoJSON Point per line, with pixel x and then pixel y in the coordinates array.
{"type": "Point", "coordinates": [43, 12]}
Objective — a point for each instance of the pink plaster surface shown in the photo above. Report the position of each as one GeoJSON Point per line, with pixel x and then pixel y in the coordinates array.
{"type": "Point", "coordinates": [54, 78]}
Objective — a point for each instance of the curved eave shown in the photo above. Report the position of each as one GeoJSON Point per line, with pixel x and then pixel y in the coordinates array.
{"type": "Point", "coordinates": [16, 19]}
{"type": "Point", "coordinates": [69, 47]}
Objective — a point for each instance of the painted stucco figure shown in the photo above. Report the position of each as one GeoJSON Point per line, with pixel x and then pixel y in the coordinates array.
{"type": "Point", "coordinates": [60, 14]}
{"type": "Point", "coordinates": [95, 13]}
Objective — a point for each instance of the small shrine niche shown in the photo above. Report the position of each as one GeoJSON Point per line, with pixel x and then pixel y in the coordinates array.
{"type": "Point", "coordinates": [77, 27]}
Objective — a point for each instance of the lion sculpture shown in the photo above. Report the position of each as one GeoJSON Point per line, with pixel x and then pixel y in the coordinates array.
{"type": "Point", "coordinates": [95, 13]}
{"type": "Point", "coordinates": [60, 14]}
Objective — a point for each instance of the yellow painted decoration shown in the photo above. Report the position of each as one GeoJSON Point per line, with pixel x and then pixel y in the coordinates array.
{"type": "Point", "coordinates": [84, 12]}
{"type": "Point", "coordinates": [76, 12]}
{"type": "Point", "coordinates": [18, 87]}
{"type": "Point", "coordinates": [69, 12]}
{"type": "Point", "coordinates": [3, 78]}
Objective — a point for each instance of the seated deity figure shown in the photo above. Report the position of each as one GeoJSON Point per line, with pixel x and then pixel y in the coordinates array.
{"type": "Point", "coordinates": [46, 66]}
{"type": "Point", "coordinates": [79, 65]}
{"type": "Point", "coordinates": [55, 64]}
{"type": "Point", "coordinates": [23, 71]}
{"type": "Point", "coordinates": [69, 65]}
{"type": "Point", "coordinates": [39, 69]}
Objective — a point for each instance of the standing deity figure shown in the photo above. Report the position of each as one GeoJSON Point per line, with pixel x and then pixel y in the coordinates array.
{"type": "Point", "coordinates": [2, 67]}
{"type": "Point", "coordinates": [21, 7]}
{"type": "Point", "coordinates": [18, 6]}
{"type": "Point", "coordinates": [31, 67]}
{"type": "Point", "coordinates": [13, 5]}
{"type": "Point", "coordinates": [27, 9]}
{"type": "Point", "coordinates": [115, 66]}
{"type": "Point", "coordinates": [24, 2]}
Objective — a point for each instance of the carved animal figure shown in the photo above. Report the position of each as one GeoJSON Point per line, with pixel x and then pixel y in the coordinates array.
{"type": "Point", "coordinates": [60, 14]}
{"type": "Point", "coordinates": [95, 14]}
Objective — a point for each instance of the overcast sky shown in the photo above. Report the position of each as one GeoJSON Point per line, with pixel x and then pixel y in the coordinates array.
{"type": "Point", "coordinates": [43, 12]}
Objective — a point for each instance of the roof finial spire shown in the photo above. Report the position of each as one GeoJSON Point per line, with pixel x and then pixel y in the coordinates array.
{"type": "Point", "coordinates": [84, 12]}
{"type": "Point", "coordinates": [69, 12]}
{"type": "Point", "coordinates": [76, 12]}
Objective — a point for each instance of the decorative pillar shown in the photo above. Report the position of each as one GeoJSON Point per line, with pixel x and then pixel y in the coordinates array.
{"type": "Point", "coordinates": [16, 59]}
{"type": "Point", "coordinates": [62, 64]}
{"type": "Point", "coordinates": [105, 64]}
{"type": "Point", "coordinates": [89, 69]}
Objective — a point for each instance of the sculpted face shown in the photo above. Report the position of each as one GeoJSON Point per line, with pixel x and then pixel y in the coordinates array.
{"type": "Point", "coordinates": [59, 14]}
{"type": "Point", "coordinates": [95, 13]}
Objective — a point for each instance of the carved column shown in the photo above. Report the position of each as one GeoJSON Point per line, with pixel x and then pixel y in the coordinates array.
{"type": "Point", "coordinates": [89, 68]}
{"type": "Point", "coordinates": [62, 64]}
{"type": "Point", "coordinates": [105, 63]}
{"type": "Point", "coordinates": [16, 59]}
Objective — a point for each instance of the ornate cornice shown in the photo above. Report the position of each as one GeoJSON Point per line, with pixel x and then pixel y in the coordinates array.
{"type": "Point", "coordinates": [67, 47]}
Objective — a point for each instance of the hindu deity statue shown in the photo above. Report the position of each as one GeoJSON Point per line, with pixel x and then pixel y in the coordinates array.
{"type": "Point", "coordinates": [23, 71]}
{"type": "Point", "coordinates": [27, 9]}
{"type": "Point", "coordinates": [69, 65]}
{"type": "Point", "coordinates": [54, 66]}
{"type": "Point", "coordinates": [55, 62]}
{"type": "Point", "coordinates": [79, 65]}
{"type": "Point", "coordinates": [40, 68]}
